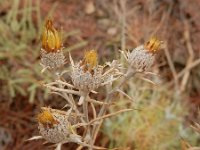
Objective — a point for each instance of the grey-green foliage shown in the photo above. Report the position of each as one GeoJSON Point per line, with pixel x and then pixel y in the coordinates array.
{"type": "Point", "coordinates": [157, 125]}
{"type": "Point", "coordinates": [19, 49]}
{"type": "Point", "coordinates": [20, 34]}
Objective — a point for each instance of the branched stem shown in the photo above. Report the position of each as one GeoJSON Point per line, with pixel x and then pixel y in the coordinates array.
{"type": "Point", "coordinates": [130, 72]}
{"type": "Point", "coordinates": [64, 95]}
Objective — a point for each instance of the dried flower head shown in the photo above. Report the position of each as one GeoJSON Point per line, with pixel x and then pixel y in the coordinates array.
{"type": "Point", "coordinates": [55, 125]}
{"type": "Point", "coordinates": [142, 57]}
{"type": "Point", "coordinates": [87, 74]}
{"type": "Point", "coordinates": [51, 53]}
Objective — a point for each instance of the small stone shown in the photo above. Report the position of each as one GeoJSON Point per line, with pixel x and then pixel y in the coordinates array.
{"type": "Point", "coordinates": [112, 31]}
{"type": "Point", "coordinates": [104, 23]}
{"type": "Point", "coordinates": [5, 138]}
{"type": "Point", "coordinates": [89, 7]}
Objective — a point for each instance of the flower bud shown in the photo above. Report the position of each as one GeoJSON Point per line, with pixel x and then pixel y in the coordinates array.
{"type": "Point", "coordinates": [51, 39]}
{"type": "Point", "coordinates": [153, 45]}
{"type": "Point", "coordinates": [46, 118]}
{"type": "Point", "coordinates": [90, 59]}
{"type": "Point", "coordinates": [51, 53]}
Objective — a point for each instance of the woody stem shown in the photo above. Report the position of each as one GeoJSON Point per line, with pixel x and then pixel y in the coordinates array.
{"type": "Point", "coordinates": [88, 136]}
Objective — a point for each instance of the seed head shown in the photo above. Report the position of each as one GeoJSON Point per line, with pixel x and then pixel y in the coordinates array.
{"type": "Point", "coordinates": [51, 39]}
{"type": "Point", "coordinates": [153, 45]}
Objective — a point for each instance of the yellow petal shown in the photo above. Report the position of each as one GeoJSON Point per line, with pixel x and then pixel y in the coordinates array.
{"type": "Point", "coordinates": [51, 41]}
{"type": "Point", "coordinates": [153, 45]}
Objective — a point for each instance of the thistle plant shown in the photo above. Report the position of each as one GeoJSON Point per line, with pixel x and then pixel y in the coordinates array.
{"type": "Point", "coordinates": [86, 76]}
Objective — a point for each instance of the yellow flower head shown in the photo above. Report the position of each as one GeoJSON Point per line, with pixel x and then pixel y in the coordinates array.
{"type": "Point", "coordinates": [153, 45]}
{"type": "Point", "coordinates": [46, 118]}
{"type": "Point", "coordinates": [90, 59]}
{"type": "Point", "coordinates": [51, 39]}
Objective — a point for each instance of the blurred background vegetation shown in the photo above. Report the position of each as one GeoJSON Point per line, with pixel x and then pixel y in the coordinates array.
{"type": "Point", "coordinates": [166, 110]}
